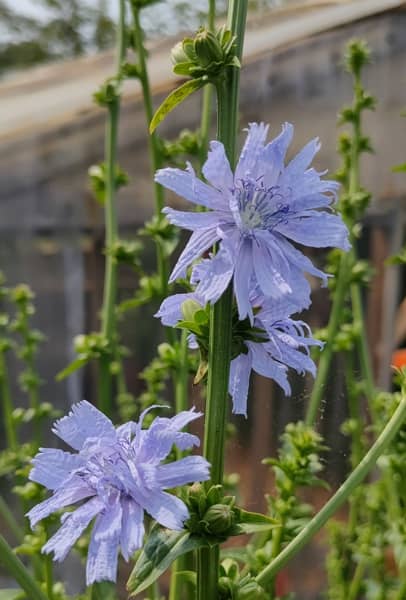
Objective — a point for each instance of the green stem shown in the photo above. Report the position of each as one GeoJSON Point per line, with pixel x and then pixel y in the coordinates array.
{"type": "Point", "coordinates": [110, 209]}
{"type": "Point", "coordinates": [10, 520]}
{"type": "Point", "coordinates": [207, 96]}
{"type": "Point", "coordinates": [110, 276]}
{"type": "Point", "coordinates": [356, 582]}
{"type": "Point", "coordinates": [17, 570]}
{"type": "Point", "coordinates": [153, 145]}
{"type": "Point", "coordinates": [181, 382]}
{"type": "Point", "coordinates": [5, 395]}
{"type": "Point", "coordinates": [340, 497]}
{"type": "Point", "coordinates": [323, 368]}
{"type": "Point", "coordinates": [220, 313]}
{"type": "Point", "coordinates": [277, 535]}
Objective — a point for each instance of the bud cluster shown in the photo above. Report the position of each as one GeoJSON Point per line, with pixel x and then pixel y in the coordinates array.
{"type": "Point", "coordinates": [212, 514]}
{"type": "Point", "coordinates": [205, 55]}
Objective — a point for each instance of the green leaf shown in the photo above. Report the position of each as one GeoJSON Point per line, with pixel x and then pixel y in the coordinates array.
{"type": "Point", "coordinates": [74, 366]}
{"type": "Point", "coordinates": [10, 594]}
{"type": "Point", "coordinates": [250, 522]}
{"type": "Point", "coordinates": [175, 98]}
{"type": "Point", "coordinates": [163, 546]}
{"type": "Point", "coordinates": [235, 553]}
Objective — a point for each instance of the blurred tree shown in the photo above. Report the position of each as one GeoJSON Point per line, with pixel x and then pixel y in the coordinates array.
{"type": "Point", "coordinates": [66, 28]}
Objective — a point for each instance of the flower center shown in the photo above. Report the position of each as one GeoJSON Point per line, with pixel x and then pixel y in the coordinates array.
{"type": "Point", "coordinates": [258, 207]}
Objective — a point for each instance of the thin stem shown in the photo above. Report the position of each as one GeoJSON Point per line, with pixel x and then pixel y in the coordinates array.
{"type": "Point", "coordinates": [356, 582]}
{"type": "Point", "coordinates": [153, 145]}
{"type": "Point", "coordinates": [207, 95]}
{"type": "Point", "coordinates": [110, 276]}
{"type": "Point", "coordinates": [323, 368]}
{"type": "Point", "coordinates": [16, 569]}
{"type": "Point", "coordinates": [340, 497]}
{"type": "Point", "coordinates": [9, 425]}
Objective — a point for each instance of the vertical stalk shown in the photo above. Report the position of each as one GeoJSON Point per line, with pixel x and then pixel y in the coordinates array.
{"type": "Point", "coordinates": [153, 145]}
{"type": "Point", "coordinates": [323, 367]}
{"type": "Point", "coordinates": [17, 570]}
{"type": "Point", "coordinates": [5, 395]}
{"type": "Point", "coordinates": [110, 275]}
{"type": "Point", "coordinates": [220, 314]}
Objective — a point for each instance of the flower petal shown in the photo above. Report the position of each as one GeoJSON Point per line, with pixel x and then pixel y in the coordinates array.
{"type": "Point", "coordinates": [214, 275]}
{"type": "Point", "coordinates": [240, 371]}
{"type": "Point", "coordinates": [253, 147]}
{"type": "Point", "coordinates": [188, 186]}
{"type": "Point", "coordinates": [217, 169]}
{"type": "Point", "coordinates": [185, 470]}
{"type": "Point", "coordinates": [193, 220]}
{"type": "Point", "coordinates": [102, 556]}
{"type": "Point", "coordinates": [302, 160]}
{"type": "Point", "coordinates": [316, 229]}
{"type": "Point", "coordinates": [242, 279]}
{"type": "Point", "coordinates": [199, 242]}
{"type": "Point", "coordinates": [132, 530]}
{"type": "Point", "coordinates": [263, 364]}
{"type": "Point", "coordinates": [269, 265]}
{"type": "Point", "coordinates": [84, 421]}
{"type": "Point", "coordinates": [52, 467]}
{"type": "Point", "coordinates": [167, 509]}
{"type": "Point", "coordinates": [74, 525]}
{"type": "Point", "coordinates": [76, 490]}
{"type": "Point", "coordinates": [170, 311]}
{"type": "Point", "coordinates": [272, 158]}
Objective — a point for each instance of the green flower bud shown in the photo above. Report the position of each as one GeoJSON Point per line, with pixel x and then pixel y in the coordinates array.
{"type": "Point", "coordinates": [189, 308]}
{"type": "Point", "coordinates": [207, 48]}
{"type": "Point", "coordinates": [219, 518]}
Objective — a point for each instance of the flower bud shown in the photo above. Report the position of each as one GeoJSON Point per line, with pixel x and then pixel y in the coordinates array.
{"type": "Point", "coordinates": [219, 519]}
{"type": "Point", "coordinates": [207, 48]}
{"type": "Point", "coordinates": [189, 308]}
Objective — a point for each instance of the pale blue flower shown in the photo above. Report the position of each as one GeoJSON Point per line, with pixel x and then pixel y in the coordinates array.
{"type": "Point", "coordinates": [277, 342]}
{"type": "Point", "coordinates": [119, 473]}
{"type": "Point", "coordinates": [255, 214]}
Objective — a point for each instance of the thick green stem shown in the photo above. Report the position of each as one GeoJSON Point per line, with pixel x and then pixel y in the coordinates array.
{"type": "Point", "coordinates": [17, 570]}
{"type": "Point", "coordinates": [220, 314]}
{"type": "Point", "coordinates": [5, 395]}
{"type": "Point", "coordinates": [339, 498]}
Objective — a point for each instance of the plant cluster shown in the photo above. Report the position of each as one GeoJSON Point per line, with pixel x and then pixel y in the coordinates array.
{"type": "Point", "coordinates": [141, 489]}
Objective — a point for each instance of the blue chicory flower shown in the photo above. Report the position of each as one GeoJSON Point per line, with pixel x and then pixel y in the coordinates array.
{"type": "Point", "coordinates": [255, 214]}
{"type": "Point", "coordinates": [119, 473]}
{"type": "Point", "coordinates": [286, 343]}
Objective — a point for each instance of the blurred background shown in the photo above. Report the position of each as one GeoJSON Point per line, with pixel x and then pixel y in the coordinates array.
{"type": "Point", "coordinates": [55, 53]}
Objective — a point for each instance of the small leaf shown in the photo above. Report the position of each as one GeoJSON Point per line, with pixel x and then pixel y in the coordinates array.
{"type": "Point", "coordinates": [175, 98]}
{"type": "Point", "coordinates": [163, 546]}
{"type": "Point", "coordinates": [250, 522]}
{"type": "Point", "coordinates": [74, 366]}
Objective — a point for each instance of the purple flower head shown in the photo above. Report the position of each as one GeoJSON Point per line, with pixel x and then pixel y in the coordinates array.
{"type": "Point", "coordinates": [287, 343]}
{"type": "Point", "coordinates": [255, 214]}
{"type": "Point", "coordinates": [119, 473]}
{"type": "Point", "coordinates": [284, 342]}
